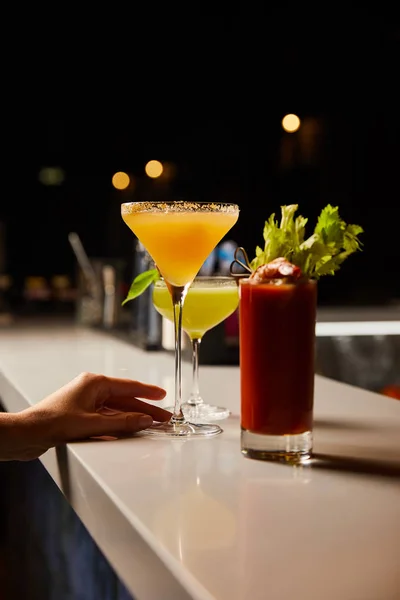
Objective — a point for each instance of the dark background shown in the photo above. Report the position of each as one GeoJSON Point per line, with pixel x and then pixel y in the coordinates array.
{"type": "Point", "coordinates": [210, 103]}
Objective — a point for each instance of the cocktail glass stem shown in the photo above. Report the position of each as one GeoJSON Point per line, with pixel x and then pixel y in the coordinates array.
{"type": "Point", "coordinates": [195, 399]}
{"type": "Point", "coordinates": [178, 297]}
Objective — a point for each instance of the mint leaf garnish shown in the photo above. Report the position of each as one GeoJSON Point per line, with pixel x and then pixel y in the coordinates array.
{"type": "Point", "coordinates": [141, 283]}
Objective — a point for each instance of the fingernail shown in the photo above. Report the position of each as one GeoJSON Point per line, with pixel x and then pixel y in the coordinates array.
{"type": "Point", "coordinates": [145, 421]}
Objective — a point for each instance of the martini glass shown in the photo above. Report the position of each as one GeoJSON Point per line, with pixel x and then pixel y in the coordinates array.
{"type": "Point", "coordinates": [179, 236]}
{"type": "Point", "coordinates": [209, 301]}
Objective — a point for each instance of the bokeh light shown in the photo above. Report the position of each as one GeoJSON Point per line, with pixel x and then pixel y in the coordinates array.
{"type": "Point", "coordinates": [120, 180]}
{"type": "Point", "coordinates": [51, 175]}
{"type": "Point", "coordinates": [154, 169]}
{"type": "Point", "coordinates": [290, 123]}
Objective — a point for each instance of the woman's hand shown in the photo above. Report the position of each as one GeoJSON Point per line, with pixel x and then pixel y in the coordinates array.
{"type": "Point", "coordinates": [88, 406]}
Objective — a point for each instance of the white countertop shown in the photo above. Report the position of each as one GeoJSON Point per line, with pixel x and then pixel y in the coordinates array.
{"type": "Point", "coordinates": [181, 519]}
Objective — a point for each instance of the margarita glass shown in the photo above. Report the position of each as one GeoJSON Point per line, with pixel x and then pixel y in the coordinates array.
{"type": "Point", "coordinates": [179, 236]}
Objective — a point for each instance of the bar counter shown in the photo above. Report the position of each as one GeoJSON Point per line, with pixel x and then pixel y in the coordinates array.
{"type": "Point", "coordinates": [194, 519]}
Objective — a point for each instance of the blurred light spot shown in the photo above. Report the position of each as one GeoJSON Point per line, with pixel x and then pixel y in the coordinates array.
{"type": "Point", "coordinates": [51, 175]}
{"type": "Point", "coordinates": [120, 180]}
{"type": "Point", "coordinates": [154, 169]}
{"type": "Point", "coordinates": [291, 123]}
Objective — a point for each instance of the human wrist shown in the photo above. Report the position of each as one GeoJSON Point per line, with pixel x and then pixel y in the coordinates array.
{"type": "Point", "coordinates": [22, 436]}
{"type": "Point", "coordinates": [12, 427]}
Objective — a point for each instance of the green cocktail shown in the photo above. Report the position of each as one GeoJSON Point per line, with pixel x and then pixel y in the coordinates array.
{"type": "Point", "coordinates": [209, 301]}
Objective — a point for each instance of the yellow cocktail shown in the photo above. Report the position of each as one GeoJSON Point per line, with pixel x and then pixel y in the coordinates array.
{"type": "Point", "coordinates": [179, 241]}
{"type": "Point", "coordinates": [179, 236]}
{"type": "Point", "coordinates": [209, 301]}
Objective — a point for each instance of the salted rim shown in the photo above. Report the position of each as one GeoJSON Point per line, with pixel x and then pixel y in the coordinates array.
{"type": "Point", "coordinates": [178, 206]}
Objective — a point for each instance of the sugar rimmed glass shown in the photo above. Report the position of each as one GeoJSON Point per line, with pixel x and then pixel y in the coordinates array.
{"type": "Point", "coordinates": [179, 236]}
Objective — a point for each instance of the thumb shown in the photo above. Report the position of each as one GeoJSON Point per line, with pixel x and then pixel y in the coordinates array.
{"type": "Point", "coordinates": [121, 423]}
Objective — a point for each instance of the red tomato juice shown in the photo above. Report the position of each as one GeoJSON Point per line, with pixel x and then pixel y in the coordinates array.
{"type": "Point", "coordinates": [277, 347]}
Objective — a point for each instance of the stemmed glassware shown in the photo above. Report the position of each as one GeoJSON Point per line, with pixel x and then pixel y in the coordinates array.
{"type": "Point", "coordinates": [179, 236]}
{"type": "Point", "coordinates": [209, 301]}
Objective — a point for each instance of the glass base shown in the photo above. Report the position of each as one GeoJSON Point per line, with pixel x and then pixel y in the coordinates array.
{"type": "Point", "coordinates": [291, 449]}
{"type": "Point", "coordinates": [203, 413]}
{"type": "Point", "coordinates": [182, 430]}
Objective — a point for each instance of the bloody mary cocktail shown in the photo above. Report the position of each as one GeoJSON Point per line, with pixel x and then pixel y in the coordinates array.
{"type": "Point", "coordinates": [277, 340]}
{"type": "Point", "coordinates": [277, 314]}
